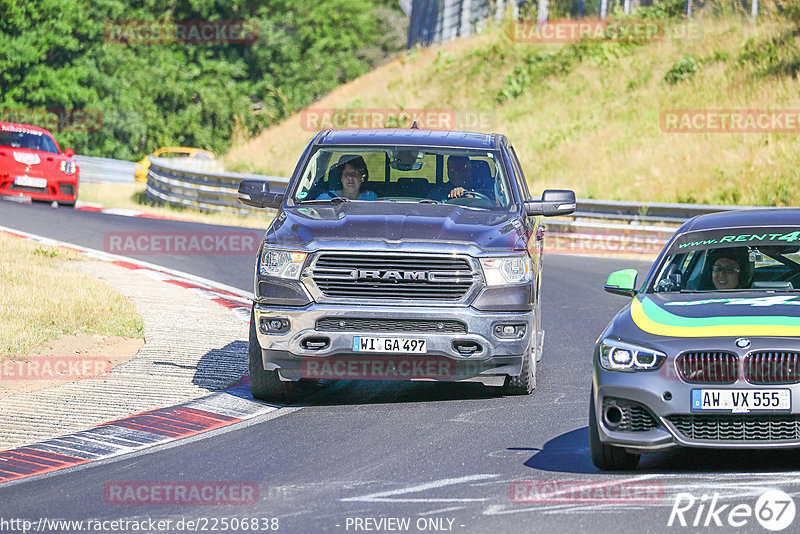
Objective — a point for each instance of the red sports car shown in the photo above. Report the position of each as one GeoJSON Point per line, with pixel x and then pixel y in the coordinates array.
{"type": "Point", "coordinates": [32, 165]}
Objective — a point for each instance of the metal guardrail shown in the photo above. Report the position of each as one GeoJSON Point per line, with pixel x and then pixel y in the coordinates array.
{"type": "Point", "coordinates": [647, 211]}
{"type": "Point", "coordinates": [169, 182]}
{"type": "Point", "coordinates": [594, 237]}
{"type": "Point", "coordinates": [105, 170]}
{"type": "Point", "coordinates": [635, 227]}
{"type": "Point", "coordinates": [596, 227]}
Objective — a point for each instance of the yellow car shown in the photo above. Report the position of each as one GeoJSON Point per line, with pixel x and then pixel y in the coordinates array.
{"type": "Point", "coordinates": [170, 152]}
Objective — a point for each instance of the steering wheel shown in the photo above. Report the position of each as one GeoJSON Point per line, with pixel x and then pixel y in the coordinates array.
{"type": "Point", "coordinates": [475, 195]}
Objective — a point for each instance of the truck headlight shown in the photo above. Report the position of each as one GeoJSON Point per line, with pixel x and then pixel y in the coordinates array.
{"type": "Point", "coordinates": [507, 270]}
{"type": "Point", "coordinates": [281, 263]}
{"type": "Point", "coordinates": [627, 357]}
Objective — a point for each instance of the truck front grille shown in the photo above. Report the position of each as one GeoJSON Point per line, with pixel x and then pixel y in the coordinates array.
{"type": "Point", "coordinates": [359, 324]}
{"type": "Point", "coordinates": [393, 276]}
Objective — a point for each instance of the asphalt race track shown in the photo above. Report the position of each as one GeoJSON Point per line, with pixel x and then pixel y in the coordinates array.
{"type": "Point", "coordinates": [401, 456]}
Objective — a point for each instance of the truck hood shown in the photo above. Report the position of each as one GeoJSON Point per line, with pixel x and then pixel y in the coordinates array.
{"type": "Point", "coordinates": [395, 222]}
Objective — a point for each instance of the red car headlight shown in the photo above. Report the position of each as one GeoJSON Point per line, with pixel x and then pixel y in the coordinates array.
{"type": "Point", "coordinates": [68, 167]}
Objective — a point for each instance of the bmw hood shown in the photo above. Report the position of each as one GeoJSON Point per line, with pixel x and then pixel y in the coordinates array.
{"type": "Point", "coordinates": [660, 316]}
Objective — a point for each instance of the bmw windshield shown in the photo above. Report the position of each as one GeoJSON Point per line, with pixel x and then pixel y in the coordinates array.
{"type": "Point", "coordinates": [741, 259]}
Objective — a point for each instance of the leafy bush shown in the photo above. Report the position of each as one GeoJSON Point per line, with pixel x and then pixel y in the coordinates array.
{"type": "Point", "coordinates": [778, 55]}
{"type": "Point", "coordinates": [54, 55]}
{"type": "Point", "coordinates": [683, 69]}
{"type": "Point", "coordinates": [662, 10]}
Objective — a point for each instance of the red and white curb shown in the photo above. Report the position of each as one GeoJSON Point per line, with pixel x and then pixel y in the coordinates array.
{"type": "Point", "coordinates": [234, 299]}
{"type": "Point", "coordinates": [134, 433]}
{"type": "Point", "coordinates": [99, 208]}
{"type": "Point", "coordinates": [153, 427]}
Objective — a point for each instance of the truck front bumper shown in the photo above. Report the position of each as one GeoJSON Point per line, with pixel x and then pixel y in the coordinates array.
{"type": "Point", "coordinates": [316, 341]}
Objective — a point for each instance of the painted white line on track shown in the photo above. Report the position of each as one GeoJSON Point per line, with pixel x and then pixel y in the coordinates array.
{"type": "Point", "coordinates": [387, 496]}
{"type": "Point", "coordinates": [245, 296]}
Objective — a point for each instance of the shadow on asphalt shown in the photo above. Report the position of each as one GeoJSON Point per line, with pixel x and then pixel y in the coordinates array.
{"type": "Point", "coordinates": [221, 367]}
{"type": "Point", "coordinates": [569, 453]}
{"type": "Point", "coordinates": [360, 392]}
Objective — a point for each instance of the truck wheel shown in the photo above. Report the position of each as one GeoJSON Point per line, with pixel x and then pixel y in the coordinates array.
{"type": "Point", "coordinates": [604, 456]}
{"type": "Point", "coordinates": [525, 383]}
{"type": "Point", "coordinates": [265, 385]}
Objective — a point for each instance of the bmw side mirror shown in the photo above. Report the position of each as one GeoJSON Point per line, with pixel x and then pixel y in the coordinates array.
{"type": "Point", "coordinates": [622, 282]}
{"type": "Point", "coordinates": [256, 193]}
{"type": "Point", "coordinates": [69, 152]}
{"type": "Point", "coordinates": [553, 202]}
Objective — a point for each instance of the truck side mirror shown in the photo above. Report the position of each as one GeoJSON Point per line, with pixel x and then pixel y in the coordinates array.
{"type": "Point", "coordinates": [553, 202]}
{"type": "Point", "coordinates": [256, 193]}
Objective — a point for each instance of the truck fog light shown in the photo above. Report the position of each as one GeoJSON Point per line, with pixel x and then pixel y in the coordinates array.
{"type": "Point", "coordinates": [510, 331]}
{"type": "Point", "coordinates": [274, 325]}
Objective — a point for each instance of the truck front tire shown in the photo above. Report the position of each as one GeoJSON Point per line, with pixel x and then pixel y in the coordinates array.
{"type": "Point", "coordinates": [525, 383]}
{"type": "Point", "coordinates": [266, 385]}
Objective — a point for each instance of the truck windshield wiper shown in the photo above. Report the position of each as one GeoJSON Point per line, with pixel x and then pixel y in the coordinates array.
{"type": "Point", "coordinates": [428, 201]}
{"type": "Point", "coordinates": [334, 200]}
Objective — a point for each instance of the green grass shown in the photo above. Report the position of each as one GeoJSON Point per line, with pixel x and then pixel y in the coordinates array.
{"type": "Point", "coordinates": [586, 116]}
{"type": "Point", "coordinates": [43, 298]}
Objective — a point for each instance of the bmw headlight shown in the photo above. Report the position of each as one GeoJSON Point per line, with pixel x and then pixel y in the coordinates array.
{"type": "Point", "coordinates": [281, 263]}
{"type": "Point", "coordinates": [507, 270]}
{"type": "Point", "coordinates": [627, 357]}
{"type": "Point", "coordinates": [67, 167]}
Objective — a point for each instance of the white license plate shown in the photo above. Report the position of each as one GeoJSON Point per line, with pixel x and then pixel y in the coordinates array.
{"type": "Point", "coordinates": [401, 345]}
{"type": "Point", "coordinates": [27, 181]}
{"type": "Point", "coordinates": [741, 400]}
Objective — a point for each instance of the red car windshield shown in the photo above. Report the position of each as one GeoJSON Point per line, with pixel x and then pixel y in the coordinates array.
{"type": "Point", "coordinates": [31, 140]}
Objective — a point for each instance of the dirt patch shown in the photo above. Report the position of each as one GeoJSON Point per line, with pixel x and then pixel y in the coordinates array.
{"type": "Point", "coordinates": [65, 359]}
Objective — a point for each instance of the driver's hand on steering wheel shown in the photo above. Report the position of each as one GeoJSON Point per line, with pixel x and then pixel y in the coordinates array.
{"type": "Point", "coordinates": [458, 192]}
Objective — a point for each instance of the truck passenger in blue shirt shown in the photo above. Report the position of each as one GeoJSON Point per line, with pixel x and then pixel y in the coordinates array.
{"type": "Point", "coordinates": [354, 174]}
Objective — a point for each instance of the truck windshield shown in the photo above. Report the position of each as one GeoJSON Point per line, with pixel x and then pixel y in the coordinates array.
{"type": "Point", "coordinates": [471, 178]}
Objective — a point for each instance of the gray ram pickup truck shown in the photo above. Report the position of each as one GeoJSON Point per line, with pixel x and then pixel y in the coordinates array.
{"type": "Point", "coordinates": [400, 254]}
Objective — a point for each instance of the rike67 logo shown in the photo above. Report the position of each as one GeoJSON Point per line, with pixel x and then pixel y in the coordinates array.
{"type": "Point", "coordinates": [774, 510]}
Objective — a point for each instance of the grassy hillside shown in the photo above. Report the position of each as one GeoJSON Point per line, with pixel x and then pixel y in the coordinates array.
{"type": "Point", "coordinates": [586, 116]}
